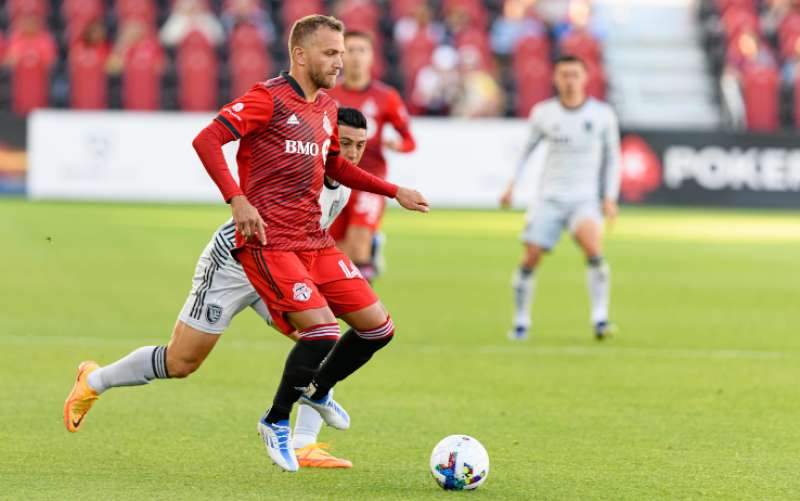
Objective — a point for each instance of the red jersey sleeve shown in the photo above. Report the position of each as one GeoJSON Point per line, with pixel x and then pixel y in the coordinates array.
{"type": "Point", "coordinates": [248, 113]}
{"type": "Point", "coordinates": [398, 117]}
{"type": "Point", "coordinates": [352, 176]}
{"type": "Point", "coordinates": [208, 145]}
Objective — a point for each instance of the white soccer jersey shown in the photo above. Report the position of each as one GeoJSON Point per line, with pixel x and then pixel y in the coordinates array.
{"type": "Point", "coordinates": [582, 151]}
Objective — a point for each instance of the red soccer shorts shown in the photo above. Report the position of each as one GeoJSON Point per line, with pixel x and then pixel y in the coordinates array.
{"type": "Point", "coordinates": [363, 209]}
{"type": "Point", "coordinates": [290, 281]}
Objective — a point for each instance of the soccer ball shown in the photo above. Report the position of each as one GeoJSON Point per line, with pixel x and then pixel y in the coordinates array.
{"type": "Point", "coordinates": [459, 462]}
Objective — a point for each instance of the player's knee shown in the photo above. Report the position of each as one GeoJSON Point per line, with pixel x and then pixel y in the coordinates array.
{"type": "Point", "coordinates": [531, 258]}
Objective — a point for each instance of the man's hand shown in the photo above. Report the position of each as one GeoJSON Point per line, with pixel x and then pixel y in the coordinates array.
{"type": "Point", "coordinates": [610, 210]}
{"type": "Point", "coordinates": [248, 220]}
{"type": "Point", "coordinates": [392, 144]}
{"type": "Point", "coordinates": [507, 196]}
{"type": "Point", "coordinates": [411, 200]}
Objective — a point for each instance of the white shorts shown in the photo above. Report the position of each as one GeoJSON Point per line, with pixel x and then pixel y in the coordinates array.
{"type": "Point", "coordinates": [547, 220]}
{"type": "Point", "coordinates": [218, 294]}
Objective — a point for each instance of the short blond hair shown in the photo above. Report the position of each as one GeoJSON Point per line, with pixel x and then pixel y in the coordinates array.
{"type": "Point", "coordinates": [308, 25]}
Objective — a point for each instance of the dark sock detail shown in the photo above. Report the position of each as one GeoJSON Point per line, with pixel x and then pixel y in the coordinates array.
{"type": "Point", "coordinates": [595, 261]}
{"type": "Point", "coordinates": [350, 353]}
{"type": "Point", "coordinates": [159, 361]}
{"type": "Point", "coordinates": [301, 365]}
{"type": "Point", "coordinates": [525, 272]}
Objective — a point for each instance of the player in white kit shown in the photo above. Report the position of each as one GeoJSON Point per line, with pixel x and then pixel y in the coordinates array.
{"type": "Point", "coordinates": [220, 290]}
{"type": "Point", "coordinates": [578, 185]}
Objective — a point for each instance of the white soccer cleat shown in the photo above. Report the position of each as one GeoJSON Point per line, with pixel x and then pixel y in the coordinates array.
{"type": "Point", "coordinates": [277, 439]}
{"type": "Point", "coordinates": [332, 413]}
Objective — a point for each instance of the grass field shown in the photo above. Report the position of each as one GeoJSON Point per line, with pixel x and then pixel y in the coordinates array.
{"type": "Point", "coordinates": [699, 397]}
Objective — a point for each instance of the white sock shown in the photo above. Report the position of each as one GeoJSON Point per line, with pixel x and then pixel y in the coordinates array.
{"type": "Point", "coordinates": [598, 281]}
{"type": "Point", "coordinates": [306, 427]}
{"type": "Point", "coordinates": [523, 285]}
{"type": "Point", "coordinates": [137, 368]}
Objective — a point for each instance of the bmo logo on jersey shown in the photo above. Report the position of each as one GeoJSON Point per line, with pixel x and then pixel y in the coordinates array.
{"type": "Point", "coordinates": [307, 148]}
{"type": "Point", "coordinates": [302, 148]}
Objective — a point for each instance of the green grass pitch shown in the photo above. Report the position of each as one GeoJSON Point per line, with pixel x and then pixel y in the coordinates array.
{"type": "Point", "coordinates": [698, 397]}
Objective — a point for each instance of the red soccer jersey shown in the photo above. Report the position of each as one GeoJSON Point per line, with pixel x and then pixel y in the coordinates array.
{"type": "Point", "coordinates": [285, 142]}
{"type": "Point", "coordinates": [381, 104]}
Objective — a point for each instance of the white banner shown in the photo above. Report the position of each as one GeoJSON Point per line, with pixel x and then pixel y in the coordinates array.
{"type": "Point", "coordinates": [123, 156]}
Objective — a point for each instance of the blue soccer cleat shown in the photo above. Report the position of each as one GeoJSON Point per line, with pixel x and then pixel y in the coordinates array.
{"type": "Point", "coordinates": [332, 413]}
{"type": "Point", "coordinates": [604, 330]}
{"type": "Point", "coordinates": [277, 439]}
{"type": "Point", "coordinates": [518, 333]}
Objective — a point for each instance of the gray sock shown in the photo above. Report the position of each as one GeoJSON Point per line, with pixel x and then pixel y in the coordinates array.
{"type": "Point", "coordinates": [523, 286]}
{"type": "Point", "coordinates": [137, 368]}
{"type": "Point", "coordinates": [598, 282]}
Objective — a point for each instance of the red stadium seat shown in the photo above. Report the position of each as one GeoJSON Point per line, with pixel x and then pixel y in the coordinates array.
{"type": "Point", "coordinates": [737, 19]}
{"type": "Point", "coordinates": [474, 9]}
{"type": "Point", "coordinates": [789, 46]}
{"type": "Point", "coordinates": [596, 86]}
{"type": "Point", "coordinates": [416, 54]}
{"type": "Point", "coordinates": [359, 14]}
{"type": "Point", "coordinates": [724, 5]}
{"type": "Point", "coordinates": [141, 76]}
{"type": "Point", "coordinates": [198, 71]}
{"type": "Point", "coordinates": [404, 8]}
{"type": "Point", "coordinates": [87, 76]}
{"type": "Point", "coordinates": [533, 83]}
{"type": "Point", "coordinates": [78, 14]}
{"type": "Point", "coordinates": [18, 8]}
{"type": "Point", "coordinates": [760, 90]}
{"type": "Point", "coordinates": [583, 45]}
{"type": "Point", "coordinates": [140, 10]}
{"type": "Point", "coordinates": [530, 48]}
{"type": "Point", "coordinates": [30, 73]}
{"type": "Point", "coordinates": [789, 27]}
{"type": "Point", "coordinates": [477, 38]}
{"type": "Point", "coordinates": [363, 15]}
{"type": "Point", "coordinates": [294, 10]}
{"type": "Point", "coordinates": [248, 59]}
{"type": "Point", "coordinates": [796, 113]}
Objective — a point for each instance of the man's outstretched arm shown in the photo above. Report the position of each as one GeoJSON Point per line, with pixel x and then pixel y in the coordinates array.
{"type": "Point", "coordinates": [352, 176]}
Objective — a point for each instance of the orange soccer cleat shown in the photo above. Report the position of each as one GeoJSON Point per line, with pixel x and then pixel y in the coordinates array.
{"type": "Point", "coordinates": [81, 398]}
{"type": "Point", "coordinates": [317, 456]}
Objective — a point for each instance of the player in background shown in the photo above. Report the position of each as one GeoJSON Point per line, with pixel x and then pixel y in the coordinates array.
{"type": "Point", "coordinates": [356, 230]}
{"type": "Point", "coordinates": [578, 185]}
{"type": "Point", "coordinates": [288, 145]}
{"type": "Point", "coordinates": [220, 291]}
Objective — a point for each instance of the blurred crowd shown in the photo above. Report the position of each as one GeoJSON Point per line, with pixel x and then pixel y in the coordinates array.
{"type": "Point", "coordinates": [756, 44]}
{"type": "Point", "coordinates": [467, 58]}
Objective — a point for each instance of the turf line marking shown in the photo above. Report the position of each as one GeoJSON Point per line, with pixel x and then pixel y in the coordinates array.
{"type": "Point", "coordinates": [506, 349]}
